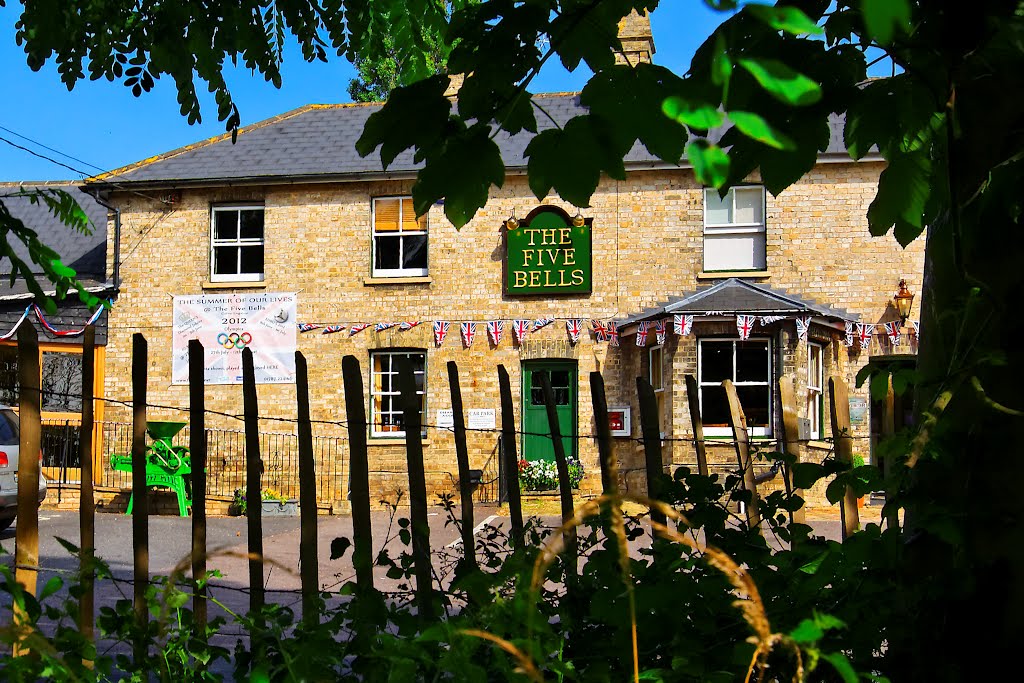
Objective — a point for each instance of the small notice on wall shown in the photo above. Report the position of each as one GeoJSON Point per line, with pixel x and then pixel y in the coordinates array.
{"type": "Point", "coordinates": [481, 418]}
{"type": "Point", "coordinates": [445, 419]}
{"type": "Point", "coordinates": [227, 323]}
{"type": "Point", "coordinates": [858, 410]}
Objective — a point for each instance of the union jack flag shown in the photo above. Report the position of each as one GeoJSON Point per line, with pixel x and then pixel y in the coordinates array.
{"type": "Point", "coordinates": [683, 325]}
{"type": "Point", "coordinates": [357, 328]}
{"type": "Point", "coordinates": [495, 328]}
{"type": "Point", "coordinates": [744, 325]}
{"type": "Point", "coordinates": [468, 334]}
{"type": "Point", "coordinates": [916, 326]}
{"type": "Point", "coordinates": [613, 333]}
{"type": "Point", "coordinates": [769, 319]}
{"type": "Point", "coordinates": [659, 331]}
{"type": "Point", "coordinates": [380, 327]}
{"type": "Point", "coordinates": [308, 327]}
{"type": "Point", "coordinates": [803, 324]}
{"type": "Point", "coordinates": [864, 333]}
{"type": "Point", "coordinates": [850, 337]}
{"type": "Point", "coordinates": [519, 329]}
{"type": "Point", "coordinates": [331, 329]}
{"type": "Point", "coordinates": [600, 331]}
{"type": "Point", "coordinates": [440, 331]}
{"type": "Point", "coordinates": [408, 325]}
{"type": "Point", "coordinates": [641, 333]}
{"type": "Point", "coordinates": [542, 322]}
{"type": "Point", "coordinates": [574, 326]}
{"type": "Point", "coordinates": [893, 330]}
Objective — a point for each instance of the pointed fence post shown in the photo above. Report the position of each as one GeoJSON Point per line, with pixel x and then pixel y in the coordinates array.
{"type": "Point", "coordinates": [605, 445]}
{"type": "Point", "coordinates": [739, 435]}
{"type": "Point", "coordinates": [510, 461]}
{"type": "Point", "coordinates": [140, 492]}
{"type": "Point", "coordinates": [791, 440]}
{"type": "Point", "coordinates": [308, 562]}
{"type": "Point", "coordinates": [462, 455]}
{"type": "Point", "coordinates": [362, 533]}
{"type": "Point", "coordinates": [87, 498]}
{"type": "Point", "coordinates": [843, 442]}
{"type": "Point", "coordinates": [650, 427]}
{"type": "Point", "coordinates": [693, 401]}
{"type": "Point", "coordinates": [197, 455]}
{"type": "Point", "coordinates": [412, 424]}
{"type": "Point", "coordinates": [892, 519]}
{"type": "Point", "coordinates": [253, 488]}
{"type": "Point", "coordinates": [564, 488]}
{"type": "Point", "coordinates": [26, 543]}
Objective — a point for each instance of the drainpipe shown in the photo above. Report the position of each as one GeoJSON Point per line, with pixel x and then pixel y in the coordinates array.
{"type": "Point", "coordinates": [116, 275]}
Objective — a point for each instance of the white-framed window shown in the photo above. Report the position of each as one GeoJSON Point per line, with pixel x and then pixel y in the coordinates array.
{"type": "Point", "coordinates": [749, 365]}
{"type": "Point", "coordinates": [734, 229]}
{"type": "Point", "coordinates": [236, 243]}
{"type": "Point", "coordinates": [385, 396]}
{"type": "Point", "coordinates": [815, 392]}
{"type": "Point", "coordinates": [399, 238]}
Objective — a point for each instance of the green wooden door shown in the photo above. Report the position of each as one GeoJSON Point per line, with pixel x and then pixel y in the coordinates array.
{"type": "Point", "coordinates": [537, 444]}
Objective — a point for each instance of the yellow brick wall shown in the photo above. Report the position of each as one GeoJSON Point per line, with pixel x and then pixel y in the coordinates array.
{"type": "Point", "coordinates": [647, 246]}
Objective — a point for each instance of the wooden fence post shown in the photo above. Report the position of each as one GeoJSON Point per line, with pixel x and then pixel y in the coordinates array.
{"type": "Point", "coordinates": [791, 440]}
{"type": "Point", "coordinates": [650, 427]}
{"type": "Point", "coordinates": [510, 461]}
{"type": "Point", "coordinates": [605, 446]}
{"type": "Point", "coordinates": [253, 488]}
{"type": "Point", "coordinates": [309, 563]}
{"type": "Point", "coordinates": [140, 492]}
{"type": "Point", "coordinates": [412, 424]}
{"type": "Point", "coordinates": [892, 518]}
{"type": "Point", "coordinates": [693, 401]}
{"type": "Point", "coordinates": [843, 442]}
{"type": "Point", "coordinates": [26, 543]}
{"type": "Point", "coordinates": [462, 455]}
{"type": "Point", "coordinates": [739, 435]}
{"type": "Point", "coordinates": [362, 533]}
{"type": "Point", "coordinates": [564, 488]}
{"type": "Point", "coordinates": [87, 498]}
{"type": "Point", "coordinates": [197, 455]}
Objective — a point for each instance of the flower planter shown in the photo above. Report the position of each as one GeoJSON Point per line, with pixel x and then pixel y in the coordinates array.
{"type": "Point", "coordinates": [277, 508]}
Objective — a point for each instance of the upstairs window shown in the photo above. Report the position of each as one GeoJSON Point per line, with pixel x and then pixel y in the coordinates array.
{"type": "Point", "coordinates": [236, 244]}
{"type": "Point", "coordinates": [399, 238]}
{"type": "Point", "coordinates": [734, 229]}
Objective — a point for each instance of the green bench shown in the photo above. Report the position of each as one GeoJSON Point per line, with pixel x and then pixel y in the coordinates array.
{"type": "Point", "coordinates": [167, 465]}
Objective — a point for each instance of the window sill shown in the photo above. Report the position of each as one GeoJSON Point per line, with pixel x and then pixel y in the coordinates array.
{"type": "Point", "coordinates": [721, 274]}
{"type": "Point", "coordinates": [415, 280]}
{"type": "Point", "coordinates": [820, 445]}
{"type": "Point", "coordinates": [243, 284]}
{"type": "Point", "coordinates": [398, 441]}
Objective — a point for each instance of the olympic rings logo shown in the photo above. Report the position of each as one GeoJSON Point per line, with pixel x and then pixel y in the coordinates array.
{"type": "Point", "coordinates": [234, 340]}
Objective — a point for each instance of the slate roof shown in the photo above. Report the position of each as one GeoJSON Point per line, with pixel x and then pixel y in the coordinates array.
{"type": "Point", "coordinates": [318, 142]}
{"type": "Point", "coordinates": [733, 296]}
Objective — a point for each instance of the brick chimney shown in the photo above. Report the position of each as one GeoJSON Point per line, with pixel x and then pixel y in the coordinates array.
{"type": "Point", "coordinates": [637, 41]}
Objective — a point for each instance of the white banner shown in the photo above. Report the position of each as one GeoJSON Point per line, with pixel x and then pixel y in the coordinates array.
{"type": "Point", "coordinates": [227, 323]}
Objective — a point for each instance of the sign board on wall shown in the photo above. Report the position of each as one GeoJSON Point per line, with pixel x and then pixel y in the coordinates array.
{"type": "Point", "coordinates": [858, 410]}
{"type": "Point", "coordinates": [227, 323]}
{"type": "Point", "coordinates": [547, 254]}
{"type": "Point", "coordinates": [478, 418]}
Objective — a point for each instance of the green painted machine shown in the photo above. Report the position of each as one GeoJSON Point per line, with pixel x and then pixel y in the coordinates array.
{"type": "Point", "coordinates": [167, 465]}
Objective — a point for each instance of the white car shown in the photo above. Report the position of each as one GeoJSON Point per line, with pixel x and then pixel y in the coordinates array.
{"type": "Point", "coordinates": [10, 435]}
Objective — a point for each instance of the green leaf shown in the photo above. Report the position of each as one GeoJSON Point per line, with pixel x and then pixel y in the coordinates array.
{"type": "Point", "coordinates": [414, 116]}
{"type": "Point", "coordinates": [710, 163]}
{"type": "Point", "coordinates": [721, 64]}
{"type": "Point", "coordinates": [789, 19]}
{"type": "Point", "coordinates": [828, 622]}
{"type": "Point", "coordinates": [698, 115]}
{"type": "Point", "coordinates": [571, 160]}
{"type": "Point", "coordinates": [52, 586]}
{"type": "Point", "coordinates": [842, 665]}
{"type": "Point", "coordinates": [755, 127]}
{"type": "Point", "coordinates": [62, 270]}
{"type": "Point", "coordinates": [806, 632]}
{"type": "Point", "coordinates": [903, 191]}
{"type": "Point", "coordinates": [807, 474]}
{"type": "Point", "coordinates": [812, 566]}
{"type": "Point", "coordinates": [782, 82]}
{"type": "Point", "coordinates": [462, 172]}
{"type": "Point", "coordinates": [884, 18]}
{"type": "Point", "coordinates": [339, 546]}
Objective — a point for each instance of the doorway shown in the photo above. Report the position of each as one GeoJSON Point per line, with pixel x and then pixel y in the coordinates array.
{"type": "Point", "coordinates": [536, 442]}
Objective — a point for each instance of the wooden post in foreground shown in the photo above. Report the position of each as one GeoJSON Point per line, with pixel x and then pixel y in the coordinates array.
{"type": "Point", "coordinates": [693, 401]}
{"type": "Point", "coordinates": [26, 543]}
{"type": "Point", "coordinates": [605, 445]}
{"type": "Point", "coordinates": [197, 456]}
{"type": "Point", "coordinates": [140, 493]}
{"type": "Point", "coordinates": [362, 534]}
{"type": "Point", "coordinates": [510, 461]}
{"type": "Point", "coordinates": [462, 455]}
{"type": "Point", "coordinates": [87, 499]}
{"type": "Point", "coordinates": [843, 442]}
{"type": "Point", "coordinates": [790, 439]}
{"type": "Point", "coordinates": [253, 486]}
{"type": "Point", "coordinates": [739, 435]}
{"type": "Point", "coordinates": [309, 563]}
{"type": "Point", "coordinates": [564, 488]}
{"type": "Point", "coordinates": [651, 429]}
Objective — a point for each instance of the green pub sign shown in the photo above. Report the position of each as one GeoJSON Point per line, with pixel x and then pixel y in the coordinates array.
{"type": "Point", "coordinates": [548, 254]}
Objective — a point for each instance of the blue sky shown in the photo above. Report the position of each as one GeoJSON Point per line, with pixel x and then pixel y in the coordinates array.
{"type": "Point", "coordinates": [104, 127]}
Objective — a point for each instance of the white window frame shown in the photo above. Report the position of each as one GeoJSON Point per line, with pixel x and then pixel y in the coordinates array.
{"type": "Point", "coordinates": [815, 390]}
{"type": "Point", "coordinates": [657, 372]}
{"type": "Point", "coordinates": [734, 228]}
{"type": "Point", "coordinates": [376, 423]}
{"type": "Point", "coordinates": [727, 431]}
{"type": "Point", "coordinates": [237, 243]}
{"type": "Point", "coordinates": [401, 234]}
